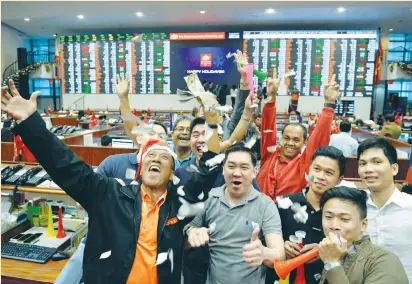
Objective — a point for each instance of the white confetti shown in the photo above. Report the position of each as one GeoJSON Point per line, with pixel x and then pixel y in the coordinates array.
{"type": "Point", "coordinates": [267, 131]}
{"type": "Point", "coordinates": [234, 142]}
{"type": "Point", "coordinates": [249, 144]}
{"type": "Point", "coordinates": [224, 109]}
{"type": "Point", "coordinates": [289, 74]}
{"type": "Point", "coordinates": [176, 180]}
{"type": "Point", "coordinates": [137, 37]}
{"type": "Point", "coordinates": [272, 149]}
{"type": "Point", "coordinates": [212, 227]}
{"type": "Point", "coordinates": [309, 178]}
{"type": "Point", "coordinates": [229, 55]}
{"type": "Point", "coordinates": [219, 130]}
{"type": "Point", "coordinates": [120, 181]}
{"type": "Point", "coordinates": [170, 254]}
{"type": "Point", "coordinates": [301, 216]}
{"type": "Point", "coordinates": [284, 202]}
{"type": "Point", "coordinates": [189, 210]}
{"type": "Point", "coordinates": [204, 148]}
{"type": "Point", "coordinates": [192, 169]}
{"type": "Point", "coordinates": [161, 258]}
{"type": "Point", "coordinates": [180, 191]}
{"type": "Point", "coordinates": [200, 196]}
{"type": "Point", "coordinates": [216, 160]}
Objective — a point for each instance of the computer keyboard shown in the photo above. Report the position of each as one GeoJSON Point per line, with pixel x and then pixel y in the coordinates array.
{"type": "Point", "coordinates": [26, 252]}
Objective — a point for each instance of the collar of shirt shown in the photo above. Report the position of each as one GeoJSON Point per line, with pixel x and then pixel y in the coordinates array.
{"type": "Point", "coordinates": [180, 163]}
{"type": "Point", "coordinates": [147, 199]}
{"type": "Point", "coordinates": [395, 198]}
{"type": "Point", "coordinates": [220, 193]}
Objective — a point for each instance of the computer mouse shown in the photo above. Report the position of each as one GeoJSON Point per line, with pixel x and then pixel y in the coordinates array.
{"type": "Point", "coordinates": [60, 256]}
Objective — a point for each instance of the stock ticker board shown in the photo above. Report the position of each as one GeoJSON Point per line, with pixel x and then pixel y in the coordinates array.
{"type": "Point", "coordinates": [315, 56]}
{"type": "Point", "coordinates": [88, 63]}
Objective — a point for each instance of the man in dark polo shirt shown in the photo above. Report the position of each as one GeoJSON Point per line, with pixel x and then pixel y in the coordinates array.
{"type": "Point", "coordinates": [326, 171]}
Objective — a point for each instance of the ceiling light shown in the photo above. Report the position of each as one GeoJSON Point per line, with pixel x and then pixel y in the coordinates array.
{"type": "Point", "coordinates": [27, 19]}
{"type": "Point", "coordinates": [341, 9]}
{"type": "Point", "coordinates": [80, 17]}
{"type": "Point", "coordinates": [391, 30]}
{"type": "Point", "coordinates": [270, 11]}
{"type": "Point", "coordinates": [202, 12]}
{"type": "Point", "coordinates": [139, 14]}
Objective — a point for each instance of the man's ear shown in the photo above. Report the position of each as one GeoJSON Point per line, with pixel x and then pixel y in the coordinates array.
{"type": "Point", "coordinates": [395, 169]}
{"type": "Point", "coordinates": [364, 225]}
{"type": "Point", "coordinates": [139, 139]}
{"type": "Point", "coordinates": [340, 179]}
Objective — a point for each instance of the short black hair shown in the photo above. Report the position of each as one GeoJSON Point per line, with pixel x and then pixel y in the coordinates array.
{"type": "Point", "coordinates": [356, 196]}
{"type": "Point", "coordinates": [379, 143]}
{"type": "Point", "coordinates": [305, 131]}
{"type": "Point", "coordinates": [390, 118]}
{"type": "Point", "coordinates": [334, 154]}
{"type": "Point", "coordinates": [345, 126]}
{"type": "Point", "coordinates": [106, 140]}
{"type": "Point", "coordinates": [182, 118]}
{"type": "Point", "coordinates": [240, 148]}
{"type": "Point", "coordinates": [196, 121]}
{"type": "Point", "coordinates": [162, 125]}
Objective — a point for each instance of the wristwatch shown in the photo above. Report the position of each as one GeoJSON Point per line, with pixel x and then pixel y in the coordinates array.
{"type": "Point", "coordinates": [213, 126]}
{"type": "Point", "coordinates": [330, 265]}
{"type": "Point", "coordinates": [330, 105]}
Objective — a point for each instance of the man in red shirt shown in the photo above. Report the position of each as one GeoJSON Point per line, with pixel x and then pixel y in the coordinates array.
{"type": "Point", "coordinates": [283, 168]}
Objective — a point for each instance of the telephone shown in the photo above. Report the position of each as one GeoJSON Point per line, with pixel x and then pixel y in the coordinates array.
{"type": "Point", "coordinates": [9, 171]}
{"type": "Point", "coordinates": [38, 178]}
{"type": "Point", "coordinates": [56, 128]}
{"type": "Point", "coordinates": [23, 175]}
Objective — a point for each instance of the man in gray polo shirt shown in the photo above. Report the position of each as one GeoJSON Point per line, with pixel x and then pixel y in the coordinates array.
{"type": "Point", "coordinates": [235, 221]}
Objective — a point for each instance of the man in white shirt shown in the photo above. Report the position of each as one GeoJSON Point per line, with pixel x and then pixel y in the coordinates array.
{"type": "Point", "coordinates": [344, 141]}
{"type": "Point", "coordinates": [389, 210]}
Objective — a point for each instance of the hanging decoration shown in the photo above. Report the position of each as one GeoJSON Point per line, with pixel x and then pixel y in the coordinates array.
{"type": "Point", "coordinates": [402, 65]}
{"type": "Point", "coordinates": [28, 69]}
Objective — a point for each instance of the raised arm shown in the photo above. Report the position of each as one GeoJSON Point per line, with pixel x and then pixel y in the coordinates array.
{"type": "Point", "coordinates": [242, 126]}
{"type": "Point", "coordinates": [321, 134]}
{"type": "Point", "coordinates": [73, 175]}
{"type": "Point", "coordinates": [268, 131]}
{"type": "Point", "coordinates": [122, 89]}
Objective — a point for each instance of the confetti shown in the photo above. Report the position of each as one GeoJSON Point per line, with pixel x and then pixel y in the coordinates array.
{"type": "Point", "coordinates": [189, 210]}
{"type": "Point", "coordinates": [176, 180]}
{"type": "Point", "coordinates": [212, 227]}
{"type": "Point", "coordinates": [249, 144]}
{"type": "Point", "coordinates": [208, 132]}
{"type": "Point", "coordinates": [120, 181]}
{"type": "Point", "coordinates": [284, 202]}
{"type": "Point", "coordinates": [180, 191]}
{"type": "Point", "coordinates": [200, 196]}
{"type": "Point", "coordinates": [216, 160]}
{"type": "Point", "coordinates": [301, 216]}
{"type": "Point", "coordinates": [267, 131]}
{"type": "Point", "coordinates": [309, 178]}
{"type": "Point", "coordinates": [224, 109]}
{"type": "Point", "coordinates": [289, 74]}
{"type": "Point", "coordinates": [255, 226]}
{"type": "Point", "coordinates": [272, 149]}
{"type": "Point", "coordinates": [192, 169]}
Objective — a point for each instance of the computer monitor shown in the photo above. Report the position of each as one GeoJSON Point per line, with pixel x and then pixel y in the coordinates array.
{"type": "Point", "coordinates": [122, 143]}
{"type": "Point", "coordinates": [404, 137]}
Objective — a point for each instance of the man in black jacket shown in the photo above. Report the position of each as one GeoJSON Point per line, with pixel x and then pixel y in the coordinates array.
{"type": "Point", "coordinates": [115, 219]}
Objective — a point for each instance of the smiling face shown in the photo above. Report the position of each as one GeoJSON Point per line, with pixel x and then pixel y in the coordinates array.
{"type": "Point", "coordinates": [197, 140]}
{"type": "Point", "coordinates": [292, 141]}
{"type": "Point", "coordinates": [326, 174]}
{"type": "Point", "coordinates": [180, 135]}
{"type": "Point", "coordinates": [156, 132]}
{"type": "Point", "coordinates": [157, 168]}
{"type": "Point", "coordinates": [375, 170]}
{"type": "Point", "coordinates": [239, 173]}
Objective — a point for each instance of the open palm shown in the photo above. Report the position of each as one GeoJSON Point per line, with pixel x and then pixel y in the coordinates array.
{"type": "Point", "coordinates": [122, 85]}
{"type": "Point", "coordinates": [331, 90]}
{"type": "Point", "coordinates": [241, 63]}
{"type": "Point", "coordinates": [273, 85]}
{"type": "Point", "coordinates": [16, 106]}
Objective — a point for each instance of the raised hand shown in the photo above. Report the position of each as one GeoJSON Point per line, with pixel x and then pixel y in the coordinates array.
{"type": "Point", "coordinates": [198, 237]}
{"type": "Point", "coordinates": [251, 104]}
{"type": "Point", "coordinates": [332, 248]}
{"type": "Point", "coordinates": [122, 85]}
{"type": "Point", "coordinates": [241, 62]}
{"type": "Point", "coordinates": [16, 106]}
{"type": "Point", "coordinates": [253, 252]}
{"type": "Point", "coordinates": [331, 90]}
{"type": "Point", "coordinates": [272, 85]}
{"type": "Point", "coordinates": [292, 250]}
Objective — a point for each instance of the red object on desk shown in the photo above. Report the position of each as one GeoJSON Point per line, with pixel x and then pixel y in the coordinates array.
{"type": "Point", "coordinates": [61, 233]}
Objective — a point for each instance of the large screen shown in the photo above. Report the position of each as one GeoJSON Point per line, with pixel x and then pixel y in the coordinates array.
{"type": "Point", "coordinates": [315, 56]}
{"type": "Point", "coordinates": [89, 62]}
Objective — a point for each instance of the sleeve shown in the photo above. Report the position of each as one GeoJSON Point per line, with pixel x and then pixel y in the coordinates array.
{"type": "Point", "coordinates": [271, 219]}
{"type": "Point", "coordinates": [386, 268]}
{"type": "Point", "coordinates": [70, 173]}
{"type": "Point", "coordinates": [319, 137]}
{"type": "Point", "coordinates": [237, 113]}
{"type": "Point", "coordinates": [268, 131]}
{"type": "Point", "coordinates": [337, 275]}
{"type": "Point", "coordinates": [199, 220]}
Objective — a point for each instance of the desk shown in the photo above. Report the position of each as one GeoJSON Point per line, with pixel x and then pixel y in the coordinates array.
{"type": "Point", "coordinates": [19, 272]}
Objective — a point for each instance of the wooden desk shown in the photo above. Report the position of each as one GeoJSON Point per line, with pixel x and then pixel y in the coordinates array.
{"type": "Point", "coordinates": [24, 272]}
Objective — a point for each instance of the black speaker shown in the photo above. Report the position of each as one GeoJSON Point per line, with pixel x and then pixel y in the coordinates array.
{"type": "Point", "coordinates": [23, 86]}
{"type": "Point", "coordinates": [21, 58]}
